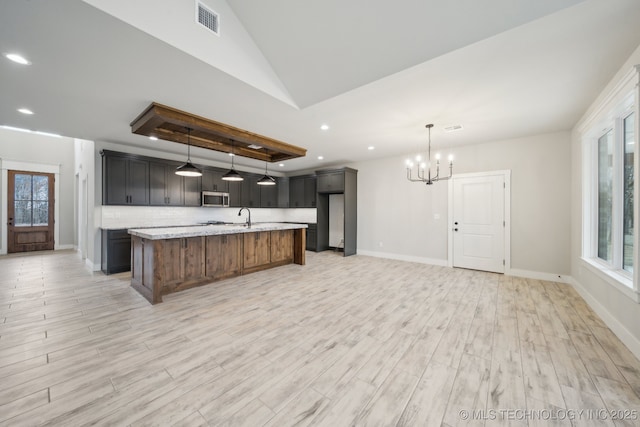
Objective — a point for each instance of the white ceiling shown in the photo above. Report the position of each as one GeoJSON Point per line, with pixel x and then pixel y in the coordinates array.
{"type": "Point", "coordinates": [376, 72]}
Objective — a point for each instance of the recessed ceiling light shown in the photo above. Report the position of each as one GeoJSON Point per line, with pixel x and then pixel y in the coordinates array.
{"type": "Point", "coordinates": [25, 111]}
{"type": "Point", "coordinates": [281, 165]}
{"type": "Point", "coordinates": [324, 127]}
{"type": "Point", "coordinates": [254, 146]}
{"type": "Point", "coordinates": [18, 58]}
{"type": "Point", "coordinates": [231, 154]}
{"type": "Point", "coordinates": [371, 147]}
{"type": "Point", "coordinates": [320, 158]}
{"type": "Point", "coordinates": [153, 138]}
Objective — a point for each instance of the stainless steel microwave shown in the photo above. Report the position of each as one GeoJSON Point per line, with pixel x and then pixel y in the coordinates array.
{"type": "Point", "coordinates": [215, 199]}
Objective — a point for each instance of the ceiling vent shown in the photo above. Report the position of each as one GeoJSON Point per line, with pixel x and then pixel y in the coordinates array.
{"type": "Point", "coordinates": [453, 128]}
{"type": "Point", "coordinates": [208, 18]}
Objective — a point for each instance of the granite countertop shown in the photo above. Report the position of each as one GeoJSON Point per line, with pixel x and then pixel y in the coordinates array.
{"type": "Point", "coordinates": [160, 233]}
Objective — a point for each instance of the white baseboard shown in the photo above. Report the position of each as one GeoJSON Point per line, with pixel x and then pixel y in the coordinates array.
{"type": "Point", "coordinates": [64, 247]}
{"type": "Point", "coordinates": [409, 258]}
{"type": "Point", "coordinates": [609, 319]}
{"type": "Point", "coordinates": [549, 277]}
{"type": "Point", "coordinates": [91, 266]}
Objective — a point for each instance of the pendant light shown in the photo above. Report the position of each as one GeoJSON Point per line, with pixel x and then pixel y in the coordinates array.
{"type": "Point", "coordinates": [232, 175]}
{"type": "Point", "coordinates": [188, 169]}
{"type": "Point", "coordinates": [266, 179]}
{"type": "Point", "coordinates": [422, 165]}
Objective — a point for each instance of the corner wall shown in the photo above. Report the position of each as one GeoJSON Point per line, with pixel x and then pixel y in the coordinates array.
{"type": "Point", "coordinates": [405, 220]}
{"type": "Point", "coordinates": [44, 150]}
{"type": "Point", "coordinates": [619, 312]}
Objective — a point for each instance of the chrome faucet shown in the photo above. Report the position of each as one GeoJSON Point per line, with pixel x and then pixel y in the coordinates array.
{"type": "Point", "coordinates": [248, 217]}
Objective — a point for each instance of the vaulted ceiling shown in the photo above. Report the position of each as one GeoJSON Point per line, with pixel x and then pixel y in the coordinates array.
{"type": "Point", "coordinates": [374, 71]}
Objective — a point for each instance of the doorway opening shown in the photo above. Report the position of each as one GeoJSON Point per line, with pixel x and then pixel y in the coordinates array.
{"type": "Point", "coordinates": [30, 211]}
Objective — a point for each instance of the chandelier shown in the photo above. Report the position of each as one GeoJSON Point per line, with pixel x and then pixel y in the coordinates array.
{"type": "Point", "coordinates": [422, 165]}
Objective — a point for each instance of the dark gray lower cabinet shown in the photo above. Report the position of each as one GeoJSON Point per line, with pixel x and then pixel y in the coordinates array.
{"type": "Point", "coordinates": [312, 237]}
{"type": "Point", "coordinates": [116, 251]}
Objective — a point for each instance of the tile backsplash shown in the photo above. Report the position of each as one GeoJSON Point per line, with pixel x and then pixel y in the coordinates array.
{"type": "Point", "coordinates": [154, 216]}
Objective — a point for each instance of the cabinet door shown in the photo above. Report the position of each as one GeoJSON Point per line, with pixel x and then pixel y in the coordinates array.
{"type": "Point", "coordinates": [138, 182]}
{"type": "Point", "coordinates": [250, 191]}
{"type": "Point", "coordinates": [235, 194]}
{"type": "Point", "coordinates": [223, 255]}
{"type": "Point", "coordinates": [282, 245]}
{"type": "Point", "coordinates": [310, 192]}
{"type": "Point", "coordinates": [269, 196]}
{"type": "Point", "coordinates": [165, 187]}
{"type": "Point", "coordinates": [174, 190]}
{"type": "Point", "coordinates": [212, 180]}
{"type": "Point", "coordinates": [312, 234]}
{"type": "Point", "coordinates": [192, 191]}
{"type": "Point", "coordinates": [157, 184]}
{"type": "Point", "coordinates": [169, 262]}
{"type": "Point", "coordinates": [193, 265]}
{"type": "Point", "coordinates": [256, 249]}
{"type": "Point", "coordinates": [331, 182]}
{"type": "Point", "coordinates": [115, 181]}
{"type": "Point", "coordinates": [296, 192]}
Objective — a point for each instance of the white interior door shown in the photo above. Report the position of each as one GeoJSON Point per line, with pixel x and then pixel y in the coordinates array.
{"type": "Point", "coordinates": [479, 222]}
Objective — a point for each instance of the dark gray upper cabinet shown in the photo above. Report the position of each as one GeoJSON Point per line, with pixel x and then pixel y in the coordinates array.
{"type": "Point", "coordinates": [296, 192]}
{"type": "Point", "coordinates": [192, 190]}
{"type": "Point", "coordinates": [212, 180]}
{"type": "Point", "coordinates": [310, 192]}
{"type": "Point", "coordinates": [250, 191]}
{"type": "Point", "coordinates": [269, 195]}
{"type": "Point", "coordinates": [125, 181]}
{"type": "Point", "coordinates": [165, 187]}
{"type": "Point", "coordinates": [129, 179]}
{"type": "Point", "coordinates": [302, 191]}
{"type": "Point", "coordinates": [235, 194]}
{"type": "Point", "coordinates": [330, 181]}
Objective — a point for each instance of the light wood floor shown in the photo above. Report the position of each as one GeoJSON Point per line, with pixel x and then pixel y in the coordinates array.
{"type": "Point", "coordinates": [340, 341]}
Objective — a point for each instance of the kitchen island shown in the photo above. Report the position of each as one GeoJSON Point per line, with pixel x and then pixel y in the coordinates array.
{"type": "Point", "coordinates": [171, 259]}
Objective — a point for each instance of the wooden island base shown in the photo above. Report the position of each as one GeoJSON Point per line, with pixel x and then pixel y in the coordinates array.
{"type": "Point", "coordinates": [163, 266]}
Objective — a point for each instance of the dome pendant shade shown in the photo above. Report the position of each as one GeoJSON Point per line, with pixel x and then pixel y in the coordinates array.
{"type": "Point", "coordinates": [266, 179]}
{"type": "Point", "coordinates": [232, 175]}
{"type": "Point", "coordinates": [188, 169]}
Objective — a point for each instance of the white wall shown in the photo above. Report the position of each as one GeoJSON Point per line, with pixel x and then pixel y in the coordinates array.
{"type": "Point", "coordinates": [44, 150]}
{"type": "Point", "coordinates": [85, 201]}
{"type": "Point", "coordinates": [409, 220]}
{"type": "Point", "coordinates": [619, 311]}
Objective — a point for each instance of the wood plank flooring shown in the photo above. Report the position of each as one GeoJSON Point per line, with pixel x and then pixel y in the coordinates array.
{"type": "Point", "coordinates": [340, 341]}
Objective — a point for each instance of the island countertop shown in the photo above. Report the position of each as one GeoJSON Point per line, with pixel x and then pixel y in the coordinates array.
{"type": "Point", "coordinates": [161, 233]}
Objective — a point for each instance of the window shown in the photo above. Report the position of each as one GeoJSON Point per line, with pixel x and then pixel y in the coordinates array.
{"type": "Point", "coordinates": [31, 200]}
{"type": "Point", "coordinates": [609, 132]}
{"type": "Point", "coordinates": [629, 141]}
{"type": "Point", "coordinates": [613, 225]}
{"type": "Point", "coordinates": [605, 196]}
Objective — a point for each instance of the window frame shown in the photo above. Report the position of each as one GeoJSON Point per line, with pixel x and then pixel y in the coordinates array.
{"type": "Point", "coordinates": [609, 114]}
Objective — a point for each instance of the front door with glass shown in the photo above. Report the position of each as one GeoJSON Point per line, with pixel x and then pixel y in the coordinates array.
{"type": "Point", "coordinates": [30, 211]}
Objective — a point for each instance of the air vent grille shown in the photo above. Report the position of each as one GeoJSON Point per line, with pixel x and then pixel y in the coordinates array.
{"type": "Point", "coordinates": [208, 18]}
{"type": "Point", "coordinates": [453, 128]}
